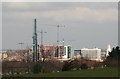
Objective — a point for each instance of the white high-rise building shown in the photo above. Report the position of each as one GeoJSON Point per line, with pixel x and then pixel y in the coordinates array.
{"type": "Point", "coordinates": [91, 54]}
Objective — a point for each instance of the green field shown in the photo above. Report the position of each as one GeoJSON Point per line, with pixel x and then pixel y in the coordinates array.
{"type": "Point", "coordinates": [98, 72]}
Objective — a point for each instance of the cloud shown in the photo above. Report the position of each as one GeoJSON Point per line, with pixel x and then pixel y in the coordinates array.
{"type": "Point", "coordinates": [24, 1]}
{"type": "Point", "coordinates": [15, 6]}
{"type": "Point", "coordinates": [92, 12]}
{"type": "Point", "coordinates": [60, 0]}
{"type": "Point", "coordinates": [18, 17]}
{"type": "Point", "coordinates": [69, 14]}
{"type": "Point", "coordinates": [82, 14]}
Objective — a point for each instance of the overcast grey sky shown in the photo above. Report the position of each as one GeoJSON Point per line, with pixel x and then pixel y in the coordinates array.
{"type": "Point", "coordinates": [88, 24]}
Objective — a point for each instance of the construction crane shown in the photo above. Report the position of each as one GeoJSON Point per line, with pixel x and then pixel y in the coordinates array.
{"type": "Point", "coordinates": [42, 50]}
{"type": "Point", "coordinates": [58, 27]}
{"type": "Point", "coordinates": [57, 52]}
{"type": "Point", "coordinates": [42, 32]}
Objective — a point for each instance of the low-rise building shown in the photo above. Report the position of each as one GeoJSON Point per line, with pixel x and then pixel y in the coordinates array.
{"type": "Point", "coordinates": [3, 55]}
{"type": "Point", "coordinates": [51, 51]}
{"type": "Point", "coordinates": [91, 54]}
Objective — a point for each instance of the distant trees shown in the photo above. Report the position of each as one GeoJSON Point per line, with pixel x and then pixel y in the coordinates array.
{"type": "Point", "coordinates": [84, 66]}
{"type": "Point", "coordinates": [66, 66]}
{"type": "Point", "coordinates": [79, 64]}
{"type": "Point", "coordinates": [37, 67]}
{"type": "Point", "coordinates": [71, 64]}
{"type": "Point", "coordinates": [114, 54]}
{"type": "Point", "coordinates": [113, 58]}
{"type": "Point", "coordinates": [46, 67]}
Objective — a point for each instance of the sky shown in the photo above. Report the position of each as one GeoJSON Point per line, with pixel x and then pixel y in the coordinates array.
{"type": "Point", "coordinates": [60, 0]}
{"type": "Point", "coordinates": [87, 24]}
{"type": "Point", "coordinates": [0, 26]}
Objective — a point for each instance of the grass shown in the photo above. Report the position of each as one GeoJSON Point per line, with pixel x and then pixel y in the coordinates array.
{"type": "Point", "coordinates": [98, 72]}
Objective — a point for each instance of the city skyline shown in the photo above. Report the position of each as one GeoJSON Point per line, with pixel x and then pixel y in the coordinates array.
{"type": "Point", "coordinates": [88, 24]}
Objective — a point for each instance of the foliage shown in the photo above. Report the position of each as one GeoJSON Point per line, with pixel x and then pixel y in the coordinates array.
{"type": "Point", "coordinates": [66, 66]}
{"type": "Point", "coordinates": [113, 58]}
{"type": "Point", "coordinates": [71, 64]}
{"type": "Point", "coordinates": [84, 66]}
{"type": "Point", "coordinates": [114, 54]}
{"type": "Point", "coordinates": [46, 67]}
{"type": "Point", "coordinates": [37, 67]}
{"type": "Point", "coordinates": [50, 66]}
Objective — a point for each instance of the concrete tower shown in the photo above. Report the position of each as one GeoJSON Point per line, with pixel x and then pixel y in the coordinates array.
{"type": "Point", "coordinates": [34, 42]}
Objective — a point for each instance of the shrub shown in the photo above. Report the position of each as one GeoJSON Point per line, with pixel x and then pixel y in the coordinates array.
{"type": "Point", "coordinates": [70, 65]}
{"type": "Point", "coordinates": [84, 66]}
{"type": "Point", "coordinates": [66, 66]}
{"type": "Point", "coordinates": [37, 67]}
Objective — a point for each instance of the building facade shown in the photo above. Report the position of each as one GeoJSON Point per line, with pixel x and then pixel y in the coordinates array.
{"type": "Point", "coordinates": [66, 52]}
{"type": "Point", "coordinates": [91, 54]}
{"type": "Point", "coordinates": [54, 52]}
